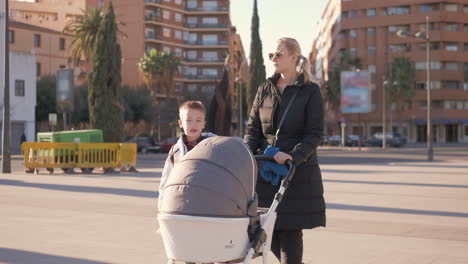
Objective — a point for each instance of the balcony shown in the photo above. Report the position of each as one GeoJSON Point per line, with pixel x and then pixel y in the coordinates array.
{"type": "Point", "coordinates": [153, 1]}
{"type": "Point", "coordinates": [207, 9]}
{"type": "Point", "coordinates": [152, 37]}
{"type": "Point", "coordinates": [201, 77]}
{"type": "Point", "coordinates": [206, 25]}
{"type": "Point", "coordinates": [206, 43]}
{"type": "Point", "coordinates": [153, 17]}
{"type": "Point", "coordinates": [206, 60]}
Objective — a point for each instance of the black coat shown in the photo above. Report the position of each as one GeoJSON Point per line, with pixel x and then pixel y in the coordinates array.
{"type": "Point", "coordinates": [303, 205]}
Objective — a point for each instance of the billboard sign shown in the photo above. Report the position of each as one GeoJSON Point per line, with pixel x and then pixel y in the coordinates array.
{"type": "Point", "coordinates": [355, 92]}
{"type": "Point", "coordinates": [65, 87]}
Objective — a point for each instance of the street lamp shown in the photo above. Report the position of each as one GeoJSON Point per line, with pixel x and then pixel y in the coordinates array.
{"type": "Point", "coordinates": [425, 36]}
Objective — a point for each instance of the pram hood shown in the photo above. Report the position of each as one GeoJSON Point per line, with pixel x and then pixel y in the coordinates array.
{"type": "Point", "coordinates": [215, 179]}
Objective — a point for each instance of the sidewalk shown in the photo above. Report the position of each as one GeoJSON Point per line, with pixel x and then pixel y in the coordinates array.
{"type": "Point", "coordinates": [385, 213]}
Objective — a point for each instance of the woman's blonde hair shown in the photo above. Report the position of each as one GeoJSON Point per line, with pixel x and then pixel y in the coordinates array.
{"type": "Point", "coordinates": [303, 64]}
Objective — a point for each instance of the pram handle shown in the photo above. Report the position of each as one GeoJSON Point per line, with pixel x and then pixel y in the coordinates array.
{"type": "Point", "coordinates": [288, 164]}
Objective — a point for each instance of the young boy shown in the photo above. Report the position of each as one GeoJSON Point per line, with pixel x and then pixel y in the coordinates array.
{"type": "Point", "coordinates": [192, 121]}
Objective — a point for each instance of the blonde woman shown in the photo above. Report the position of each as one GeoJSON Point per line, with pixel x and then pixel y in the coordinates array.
{"type": "Point", "coordinates": [296, 130]}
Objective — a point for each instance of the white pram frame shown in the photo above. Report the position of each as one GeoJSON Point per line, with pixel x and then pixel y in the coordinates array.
{"type": "Point", "coordinates": [220, 240]}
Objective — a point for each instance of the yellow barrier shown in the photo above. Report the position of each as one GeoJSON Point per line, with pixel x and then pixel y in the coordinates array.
{"type": "Point", "coordinates": [85, 156]}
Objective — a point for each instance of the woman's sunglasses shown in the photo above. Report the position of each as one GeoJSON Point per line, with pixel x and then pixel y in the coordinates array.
{"type": "Point", "coordinates": [275, 55]}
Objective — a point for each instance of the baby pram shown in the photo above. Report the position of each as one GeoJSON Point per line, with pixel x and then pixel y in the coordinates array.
{"type": "Point", "coordinates": [209, 210]}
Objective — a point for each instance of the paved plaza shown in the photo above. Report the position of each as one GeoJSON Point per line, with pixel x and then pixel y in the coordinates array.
{"type": "Point", "coordinates": [382, 207]}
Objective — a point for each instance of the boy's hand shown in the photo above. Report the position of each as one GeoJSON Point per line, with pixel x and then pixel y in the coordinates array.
{"type": "Point", "coordinates": [282, 157]}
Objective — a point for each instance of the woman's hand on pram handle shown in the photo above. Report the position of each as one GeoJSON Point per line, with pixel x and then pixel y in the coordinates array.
{"type": "Point", "coordinates": [288, 163]}
{"type": "Point", "coordinates": [282, 157]}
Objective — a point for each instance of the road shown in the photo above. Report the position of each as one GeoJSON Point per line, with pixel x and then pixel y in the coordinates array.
{"type": "Point", "coordinates": [382, 207]}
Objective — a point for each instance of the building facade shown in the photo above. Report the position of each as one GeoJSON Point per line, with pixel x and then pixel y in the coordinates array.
{"type": "Point", "coordinates": [367, 29]}
{"type": "Point", "coordinates": [22, 97]}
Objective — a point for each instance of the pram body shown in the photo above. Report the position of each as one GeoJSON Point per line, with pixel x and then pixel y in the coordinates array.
{"type": "Point", "coordinates": [209, 207]}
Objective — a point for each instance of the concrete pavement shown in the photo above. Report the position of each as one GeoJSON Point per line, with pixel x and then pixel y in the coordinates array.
{"type": "Point", "coordinates": [383, 208]}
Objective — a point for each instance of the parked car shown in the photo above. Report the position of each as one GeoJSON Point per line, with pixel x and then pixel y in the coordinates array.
{"type": "Point", "coordinates": [145, 144]}
{"type": "Point", "coordinates": [167, 144]}
{"type": "Point", "coordinates": [393, 139]}
{"type": "Point", "coordinates": [336, 141]}
{"type": "Point", "coordinates": [354, 140]}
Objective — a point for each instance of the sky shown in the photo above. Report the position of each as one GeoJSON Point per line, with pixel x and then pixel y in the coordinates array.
{"type": "Point", "coordinates": [278, 18]}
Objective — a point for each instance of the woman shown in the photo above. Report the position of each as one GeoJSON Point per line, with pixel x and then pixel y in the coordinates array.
{"type": "Point", "coordinates": [303, 205]}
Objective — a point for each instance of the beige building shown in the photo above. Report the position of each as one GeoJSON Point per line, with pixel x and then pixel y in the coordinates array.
{"type": "Point", "coordinates": [367, 29]}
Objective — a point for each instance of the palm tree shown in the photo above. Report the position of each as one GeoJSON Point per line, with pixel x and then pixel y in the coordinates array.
{"type": "Point", "coordinates": [84, 30]}
{"type": "Point", "coordinates": [158, 70]}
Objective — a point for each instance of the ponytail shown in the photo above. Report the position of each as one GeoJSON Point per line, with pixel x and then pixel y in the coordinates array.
{"type": "Point", "coordinates": [304, 68]}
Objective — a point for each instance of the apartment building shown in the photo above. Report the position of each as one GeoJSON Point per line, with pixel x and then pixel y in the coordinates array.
{"type": "Point", "coordinates": [36, 27]}
{"type": "Point", "coordinates": [367, 29]}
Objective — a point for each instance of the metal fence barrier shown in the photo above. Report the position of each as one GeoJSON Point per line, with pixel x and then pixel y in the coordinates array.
{"type": "Point", "coordinates": [85, 156]}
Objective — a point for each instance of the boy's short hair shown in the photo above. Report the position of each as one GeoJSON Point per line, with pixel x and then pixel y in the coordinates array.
{"type": "Point", "coordinates": [195, 105]}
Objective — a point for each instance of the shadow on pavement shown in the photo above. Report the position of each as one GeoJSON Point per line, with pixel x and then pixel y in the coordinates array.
{"type": "Point", "coordinates": [83, 189]}
{"type": "Point", "coordinates": [361, 160]}
{"type": "Point", "coordinates": [400, 183]}
{"type": "Point", "coordinates": [393, 210]}
{"type": "Point", "coordinates": [15, 256]}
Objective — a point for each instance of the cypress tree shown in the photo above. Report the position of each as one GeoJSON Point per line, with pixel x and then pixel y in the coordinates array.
{"type": "Point", "coordinates": [105, 95]}
{"type": "Point", "coordinates": [257, 72]}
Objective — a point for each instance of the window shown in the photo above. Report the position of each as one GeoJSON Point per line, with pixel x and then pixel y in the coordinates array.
{"type": "Point", "coordinates": [192, 4]}
{"type": "Point", "coordinates": [178, 17]}
{"type": "Point", "coordinates": [451, 7]}
{"type": "Point", "coordinates": [396, 48]}
{"type": "Point", "coordinates": [466, 127]}
{"type": "Point", "coordinates": [434, 46]}
{"type": "Point", "coordinates": [178, 2]}
{"type": "Point", "coordinates": [371, 12]}
{"type": "Point", "coordinates": [192, 87]}
{"type": "Point", "coordinates": [420, 85]}
{"type": "Point", "coordinates": [371, 68]}
{"type": "Point", "coordinates": [178, 52]}
{"type": "Point", "coordinates": [210, 72]}
{"type": "Point", "coordinates": [38, 69]}
{"type": "Point", "coordinates": [62, 44]}
{"type": "Point", "coordinates": [210, 39]}
{"type": "Point", "coordinates": [451, 85]}
{"type": "Point", "coordinates": [465, 27]}
{"type": "Point", "coordinates": [11, 36]}
{"type": "Point", "coordinates": [178, 87]}
{"type": "Point", "coordinates": [425, 8]}
{"type": "Point", "coordinates": [343, 15]}
{"type": "Point", "coordinates": [371, 31]}
{"type": "Point", "coordinates": [400, 10]}
{"type": "Point", "coordinates": [451, 66]}
{"type": "Point", "coordinates": [210, 56]}
{"type": "Point", "coordinates": [167, 32]}
{"type": "Point", "coordinates": [451, 27]}
{"type": "Point", "coordinates": [371, 50]}
{"type": "Point", "coordinates": [210, 5]}
{"type": "Point", "coordinates": [435, 65]}
{"type": "Point", "coordinates": [19, 87]}
{"type": "Point", "coordinates": [191, 54]}
{"type": "Point", "coordinates": [62, 67]}
{"type": "Point", "coordinates": [422, 27]}
{"type": "Point", "coordinates": [451, 46]}
{"type": "Point", "coordinates": [167, 49]}
{"type": "Point", "coordinates": [465, 46]}
{"type": "Point", "coordinates": [352, 14]}
{"type": "Point", "coordinates": [178, 34]}
{"type": "Point", "coordinates": [465, 8]}
{"type": "Point", "coordinates": [352, 33]}
{"type": "Point", "coordinates": [394, 29]}
{"type": "Point", "coordinates": [166, 14]}
{"type": "Point", "coordinates": [352, 51]}
{"type": "Point", "coordinates": [210, 20]}
{"type": "Point", "coordinates": [37, 40]}
{"type": "Point", "coordinates": [208, 89]}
